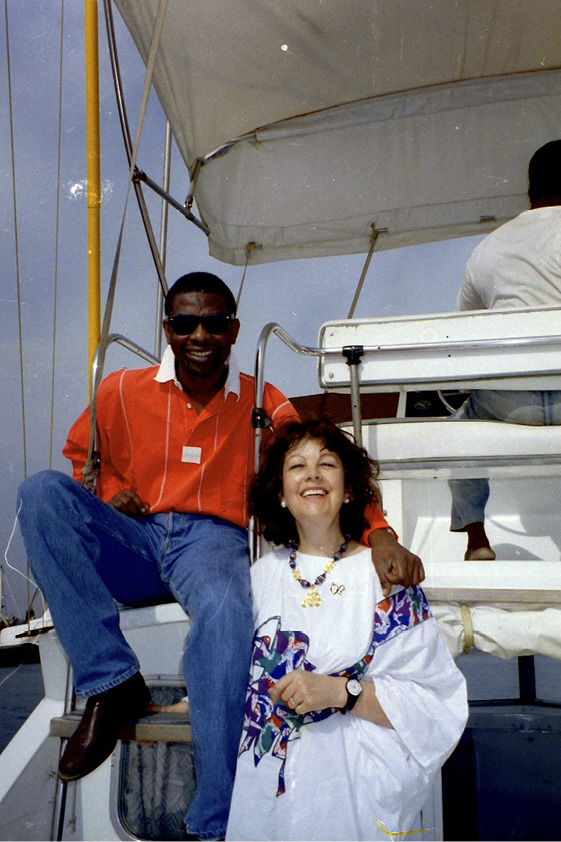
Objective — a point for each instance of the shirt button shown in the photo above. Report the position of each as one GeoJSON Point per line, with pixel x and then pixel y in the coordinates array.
{"type": "Point", "coordinates": [189, 406]}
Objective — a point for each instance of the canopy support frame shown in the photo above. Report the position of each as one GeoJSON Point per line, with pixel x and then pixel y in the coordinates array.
{"type": "Point", "coordinates": [139, 175]}
{"type": "Point", "coordinates": [117, 81]}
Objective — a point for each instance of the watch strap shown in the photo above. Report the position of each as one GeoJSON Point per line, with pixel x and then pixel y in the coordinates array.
{"type": "Point", "coordinates": [351, 701]}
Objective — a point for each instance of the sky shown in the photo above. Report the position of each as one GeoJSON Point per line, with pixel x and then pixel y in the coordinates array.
{"type": "Point", "coordinates": [43, 251]}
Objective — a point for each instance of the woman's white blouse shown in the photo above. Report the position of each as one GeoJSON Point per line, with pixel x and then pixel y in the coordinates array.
{"type": "Point", "coordinates": [342, 777]}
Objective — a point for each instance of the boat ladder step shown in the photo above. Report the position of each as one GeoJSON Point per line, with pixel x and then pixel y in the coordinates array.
{"type": "Point", "coordinates": [157, 727]}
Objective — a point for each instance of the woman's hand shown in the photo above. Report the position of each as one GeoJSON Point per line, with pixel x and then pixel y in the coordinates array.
{"type": "Point", "coordinates": [304, 691]}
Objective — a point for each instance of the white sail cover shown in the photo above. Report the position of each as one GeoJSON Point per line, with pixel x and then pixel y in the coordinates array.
{"type": "Point", "coordinates": [417, 117]}
{"type": "Point", "coordinates": [505, 630]}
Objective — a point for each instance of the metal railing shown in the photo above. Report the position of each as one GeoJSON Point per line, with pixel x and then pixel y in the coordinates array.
{"type": "Point", "coordinates": [119, 339]}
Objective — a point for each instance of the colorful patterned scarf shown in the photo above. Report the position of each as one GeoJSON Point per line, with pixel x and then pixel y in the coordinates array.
{"type": "Point", "coordinates": [268, 727]}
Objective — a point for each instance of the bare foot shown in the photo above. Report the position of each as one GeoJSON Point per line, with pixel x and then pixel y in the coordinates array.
{"type": "Point", "coordinates": [178, 707]}
{"type": "Point", "coordinates": [478, 547]}
{"type": "Point", "coordinates": [481, 554]}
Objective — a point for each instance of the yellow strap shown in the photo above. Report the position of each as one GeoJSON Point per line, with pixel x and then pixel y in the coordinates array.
{"type": "Point", "coordinates": [400, 832]}
{"type": "Point", "coordinates": [469, 641]}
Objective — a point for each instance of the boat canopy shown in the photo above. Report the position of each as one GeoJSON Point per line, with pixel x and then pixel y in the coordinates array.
{"type": "Point", "coordinates": [307, 125]}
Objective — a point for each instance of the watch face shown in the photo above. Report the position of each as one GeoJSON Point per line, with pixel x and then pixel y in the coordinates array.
{"type": "Point", "coordinates": [354, 686]}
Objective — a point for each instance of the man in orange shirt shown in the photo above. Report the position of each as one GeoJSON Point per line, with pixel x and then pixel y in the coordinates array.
{"type": "Point", "coordinates": [168, 522]}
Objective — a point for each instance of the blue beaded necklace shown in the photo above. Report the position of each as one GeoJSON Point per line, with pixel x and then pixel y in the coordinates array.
{"type": "Point", "coordinates": [313, 599]}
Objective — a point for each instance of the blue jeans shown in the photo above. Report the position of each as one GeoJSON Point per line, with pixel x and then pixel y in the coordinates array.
{"type": "Point", "coordinates": [535, 408]}
{"type": "Point", "coordinates": [84, 555]}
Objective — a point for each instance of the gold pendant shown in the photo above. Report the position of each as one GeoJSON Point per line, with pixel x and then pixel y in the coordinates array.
{"type": "Point", "coordinates": [313, 599]}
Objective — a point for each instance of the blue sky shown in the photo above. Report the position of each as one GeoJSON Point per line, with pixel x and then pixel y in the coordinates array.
{"type": "Point", "coordinates": [44, 366]}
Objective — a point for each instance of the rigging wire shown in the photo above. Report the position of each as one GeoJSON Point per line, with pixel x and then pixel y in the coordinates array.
{"type": "Point", "coordinates": [57, 224]}
{"type": "Point", "coordinates": [164, 216]}
{"type": "Point", "coordinates": [31, 599]}
{"type": "Point", "coordinates": [129, 149]}
{"type": "Point", "coordinates": [27, 575]}
{"type": "Point", "coordinates": [91, 467]}
{"type": "Point", "coordinates": [18, 287]}
{"type": "Point", "coordinates": [16, 236]}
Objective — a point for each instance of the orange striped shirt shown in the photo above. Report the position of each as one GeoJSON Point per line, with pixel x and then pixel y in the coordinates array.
{"type": "Point", "coordinates": [153, 441]}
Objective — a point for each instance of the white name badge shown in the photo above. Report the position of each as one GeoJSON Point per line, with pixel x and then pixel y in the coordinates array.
{"type": "Point", "coordinates": [191, 454]}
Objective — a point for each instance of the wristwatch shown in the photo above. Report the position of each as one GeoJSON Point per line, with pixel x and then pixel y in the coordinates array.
{"type": "Point", "coordinates": [354, 689]}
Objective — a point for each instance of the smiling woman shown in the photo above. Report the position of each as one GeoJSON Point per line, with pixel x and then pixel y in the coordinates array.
{"type": "Point", "coordinates": [311, 458]}
{"type": "Point", "coordinates": [313, 662]}
{"type": "Point", "coordinates": [314, 490]}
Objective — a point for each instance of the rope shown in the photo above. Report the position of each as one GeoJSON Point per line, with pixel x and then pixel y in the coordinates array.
{"type": "Point", "coordinates": [10, 566]}
{"type": "Point", "coordinates": [469, 639]}
{"type": "Point", "coordinates": [10, 674]}
{"type": "Point", "coordinates": [373, 240]}
{"type": "Point", "coordinates": [16, 238]}
{"type": "Point", "coordinates": [91, 467]}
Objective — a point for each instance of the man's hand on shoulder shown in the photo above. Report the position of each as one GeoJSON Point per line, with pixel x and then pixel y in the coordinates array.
{"type": "Point", "coordinates": [129, 503]}
{"type": "Point", "coordinates": [395, 565]}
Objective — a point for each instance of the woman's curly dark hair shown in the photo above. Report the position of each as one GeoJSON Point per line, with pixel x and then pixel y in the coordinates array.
{"type": "Point", "coordinates": [276, 523]}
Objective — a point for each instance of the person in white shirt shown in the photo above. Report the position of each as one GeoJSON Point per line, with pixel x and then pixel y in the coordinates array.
{"type": "Point", "coordinates": [353, 702]}
{"type": "Point", "coordinates": [517, 266]}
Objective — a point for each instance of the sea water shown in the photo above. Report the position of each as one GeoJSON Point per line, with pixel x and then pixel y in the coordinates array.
{"type": "Point", "coordinates": [21, 690]}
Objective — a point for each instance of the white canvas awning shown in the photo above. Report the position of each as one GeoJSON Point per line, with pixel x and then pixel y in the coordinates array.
{"type": "Point", "coordinates": [417, 117]}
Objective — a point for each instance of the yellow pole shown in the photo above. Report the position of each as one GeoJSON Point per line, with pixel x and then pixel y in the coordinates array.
{"type": "Point", "coordinates": [94, 180]}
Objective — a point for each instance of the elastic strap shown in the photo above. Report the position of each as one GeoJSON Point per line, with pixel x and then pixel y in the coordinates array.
{"type": "Point", "coordinates": [469, 640]}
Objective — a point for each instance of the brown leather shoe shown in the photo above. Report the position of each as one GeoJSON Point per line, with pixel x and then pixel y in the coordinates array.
{"type": "Point", "coordinates": [98, 731]}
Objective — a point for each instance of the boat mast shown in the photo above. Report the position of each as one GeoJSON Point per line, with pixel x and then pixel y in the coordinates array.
{"type": "Point", "coordinates": [93, 180]}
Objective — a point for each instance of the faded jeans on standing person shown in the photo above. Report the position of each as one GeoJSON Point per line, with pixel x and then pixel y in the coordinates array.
{"type": "Point", "coordinates": [534, 408]}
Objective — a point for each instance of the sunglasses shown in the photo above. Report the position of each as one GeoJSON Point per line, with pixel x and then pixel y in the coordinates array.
{"type": "Point", "coordinates": [185, 325]}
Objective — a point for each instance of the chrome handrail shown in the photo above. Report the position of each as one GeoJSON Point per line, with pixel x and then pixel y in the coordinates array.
{"type": "Point", "coordinates": [472, 344]}
{"type": "Point", "coordinates": [126, 343]}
